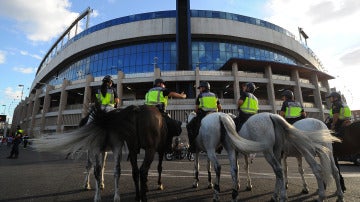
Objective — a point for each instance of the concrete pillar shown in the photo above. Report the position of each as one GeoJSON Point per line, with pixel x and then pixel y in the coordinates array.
{"type": "Point", "coordinates": [46, 106]}
{"type": "Point", "coordinates": [62, 106]}
{"type": "Point", "coordinates": [35, 110]}
{"type": "Point", "coordinates": [270, 88]}
{"type": "Point", "coordinates": [197, 80]}
{"type": "Point", "coordinates": [297, 88]}
{"type": "Point", "coordinates": [317, 96]}
{"type": "Point", "coordinates": [236, 86]}
{"type": "Point", "coordinates": [120, 86]}
{"type": "Point", "coordinates": [29, 110]}
{"type": "Point", "coordinates": [87, 96]}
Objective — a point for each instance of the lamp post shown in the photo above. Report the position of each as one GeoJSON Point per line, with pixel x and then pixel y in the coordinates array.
{"type": "Point", "coordinates": [22, 90]}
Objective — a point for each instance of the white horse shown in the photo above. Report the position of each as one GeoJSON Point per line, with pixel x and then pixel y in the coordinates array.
{"type": "Point", "coordinates": [219, 128]}
{"type": "Point", "coordinates": [318, 129]}
{"type": "Point", "coordinates": [275, 132]}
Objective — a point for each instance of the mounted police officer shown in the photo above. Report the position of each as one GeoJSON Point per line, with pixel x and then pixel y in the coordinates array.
{"type": "Point", "coordinates": [248, 105]}
{"type": "Point", "coordinates": [106, 95]}
{"type": "Point", "coordinates": [291, 110]}
{"type": "Point", "coordinates": [340, 114]}
{"type": "Point", "coordinates": [159, 94]}
{"type": "Point", "coordinates": [206, 102]}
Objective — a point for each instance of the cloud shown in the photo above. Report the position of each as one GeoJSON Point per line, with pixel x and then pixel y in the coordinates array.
{"type": "Point", "coordinates": [31, 55]}
{"type": "Point", "coordinates": [40, 20]}
{"type": "Point", "coordinates": [351, 58]}
{"type": "Point", "coordinates": [11, 93]}
{"type": "Point", "coordinates": [28, 70]}
{"type": "Point", "coordinates": [2, 57]}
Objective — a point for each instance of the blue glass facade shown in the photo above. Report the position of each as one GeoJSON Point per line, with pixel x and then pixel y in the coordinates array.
{"type": "Point", "coordinates": [208, 55]}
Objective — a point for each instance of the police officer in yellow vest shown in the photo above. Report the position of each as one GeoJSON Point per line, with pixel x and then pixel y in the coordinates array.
{"type": "Point", "coordinates": [248, 105]}
{"type": "Point", "coordinates": [291, 110]}
{"type": "Point", "coordinates": [14, 154]}
{"type": "Point", "coordinates": [206, 102]}
{"type": "Point", "coordinates": [340, 113]}
{"type": "Point", "coordinates": [107, 95]}
{"type": "Point", "coordinates": [159, 94]}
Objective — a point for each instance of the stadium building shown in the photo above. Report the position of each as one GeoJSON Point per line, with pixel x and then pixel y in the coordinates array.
{"type": "Point", "coordinates": [183, 47]}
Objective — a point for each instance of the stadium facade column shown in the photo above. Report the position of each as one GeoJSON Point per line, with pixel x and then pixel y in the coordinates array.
{"type": "Point", "coordinates": [62, 106]}
{"type": "Point", "coordinates": [35, 110]}
{"type": "Point", "coordinates": [119, 87]}
{"type": "Point", "coordinates": [270, 88]}
{"type": "Point", "coordinates": [87, 95]}
{"type": "Point", "coordinates": [297, 88]}
{"type": "Point", "coordinates": [46, 106]}
{"type": "Point", "coordinates": [317, 96]}
{"type": "Point", "coordinates": [157, 73]}
{"type": "Point", "coordinates": [236, 86]}
{"type": "Point", "coordinates": [29, 110]}
{"type": "Point", "coordinates": [23, 114]}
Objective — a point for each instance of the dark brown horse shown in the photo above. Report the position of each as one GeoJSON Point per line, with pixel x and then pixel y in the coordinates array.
{"type": "Point", "coordinates": [141, 127]}
{"type": "Point", "coordinates": [350, 141]}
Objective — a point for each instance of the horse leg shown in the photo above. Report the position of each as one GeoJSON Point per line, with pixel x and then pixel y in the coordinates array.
{"type": "Point", "coordinates": [159, 168]}
{"type": "Point", "coordinates": [87, 185]}
{"type": "Point", "coordinates": [217, 168]}
{"type": "Point", "coordinates": [278, 171]}
{"type": "Point", "coordinates": [208, 166]}
{"type": "Point", "coordinates": [135, 173]}
{"type": "Point", "coordinates": [335, 173]}
{"type": "Point", "coordinates": [342, 182]}
{"type": "Point", "coordinates": [285, 172]}
{"type": "Point", "coordinates": [117, 172]}
{"type": "Point", "coordinates": [234, 172]}
{"type": "Point", "coordinates": [301, 171]}
{"type": "Point", "coordinates": [247, 170]}
{"type": "Point", "coordinates": [104, 155]}
{"type": "Point", "coordinates": [196, 168]}
{"type": "Point", "coordinates": [97, 173]}
{"type": "Point", "coordinates": [144, 171]}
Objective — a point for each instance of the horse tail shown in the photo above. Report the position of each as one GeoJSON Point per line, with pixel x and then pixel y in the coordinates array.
{"type": "Point", "coordinates": [308, 142]}
{"type": "Point", "coordinates": [241, 144]}
{"type": "Point", "coordinates": [69, 143]}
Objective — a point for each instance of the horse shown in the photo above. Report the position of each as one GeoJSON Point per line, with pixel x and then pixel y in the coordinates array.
{"type": "Point", "coordinates": [219, 128]}
{"type": "Point", "coordinates": [275, 132]}
{"type": "Point", "coordinates": [138, 126]}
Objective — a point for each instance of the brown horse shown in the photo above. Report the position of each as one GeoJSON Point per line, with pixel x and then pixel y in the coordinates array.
{"type": "Point", "coordinates": [350, 141]}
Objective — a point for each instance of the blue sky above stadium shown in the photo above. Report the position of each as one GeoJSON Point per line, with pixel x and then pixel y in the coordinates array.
{"type": "Point", "coordinates": [29, 27]}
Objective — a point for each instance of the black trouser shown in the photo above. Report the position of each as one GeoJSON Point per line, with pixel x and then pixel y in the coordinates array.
{"type": "Point", "coordinates": [15, 150]}
{"type": "Point", "coordinates": [241, 119]}
{"type": "Point", "coordinates": [293, 120]}
{"type": "Point", "coordinates": [193, 128]}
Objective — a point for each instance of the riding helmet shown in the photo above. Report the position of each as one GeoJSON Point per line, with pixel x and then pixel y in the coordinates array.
{"type": "Point", "coordinates": [334, 95]}
{"type": "Point", "coordinates": [288, 94]}
{"type": "Point", "coordinates": [250, 87]}
{"type": "Point", "coordinates": [158, 81]}
{"type": "Point", "coordinates": [107, 79]}
{"type": "Point", "coordinates": [204, 84]}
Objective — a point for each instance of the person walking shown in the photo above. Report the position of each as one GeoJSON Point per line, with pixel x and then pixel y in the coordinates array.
{"type": "Point", "coordinates": [14, 154]}
{"type": "Point", "coordinates": [205, 103]}
{"type": "Point", "coordinates": [291, 110]}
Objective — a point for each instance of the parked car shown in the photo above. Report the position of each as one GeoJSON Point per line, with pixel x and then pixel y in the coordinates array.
{"type": "Point", "coordinates": [352, 158]}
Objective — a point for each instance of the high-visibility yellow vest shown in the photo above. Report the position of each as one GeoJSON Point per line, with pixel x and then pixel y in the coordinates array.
{"type": "Point", "coordinates": [250, 104]}
{"type": "Point", "coordinates": [155, 96]}
{"type": "Point", "coordinates": [293, 110]}
{"type": "Point", "coordinates": [208, 102]}
{"type": "Point", "coordinates": [108, 99]}
{"type": "Point", "coordinates": [21, 131]}
{"type": "Point", "coordinates": [345, 112]}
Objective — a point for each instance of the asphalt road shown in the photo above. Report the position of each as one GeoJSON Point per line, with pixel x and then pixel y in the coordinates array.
{"type": "Point", "coordinates": [38, 176]}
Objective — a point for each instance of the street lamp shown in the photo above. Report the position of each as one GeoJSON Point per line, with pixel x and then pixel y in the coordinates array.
{"type": "Point", "coordinates": [22, 90]}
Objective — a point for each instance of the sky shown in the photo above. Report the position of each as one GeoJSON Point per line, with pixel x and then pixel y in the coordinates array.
{"type": "Point", "coordinates": [28, 28]}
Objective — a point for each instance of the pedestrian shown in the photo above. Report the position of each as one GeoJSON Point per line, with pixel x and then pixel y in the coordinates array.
{"type": "Point", "coordinates": [14, 154]}
{"type": "Point", "coordinates": [248, 104]}
{"type": "Point", "coordinates": [25, 140]}
{"type": "Point", "coordinates": [205, 103]}
{"type": "Point", "coordinates": [291, 110]}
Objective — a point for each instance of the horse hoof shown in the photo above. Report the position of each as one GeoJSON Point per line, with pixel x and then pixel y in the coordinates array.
{"type": "Point", "coordinates": [305, 191]}
{"type": "Point", "coordinates": [102, 187]}
{"type": "Point", "coordinates": [87, 188]}
{"type": "Point", "coordinates": [161, 187]}
{"type": "Point", "coordinates": [248, 188]}
{"type": "Point", "coordinates": [210, 185]}
{"type": "Point", "coordinates": [195, 185]}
